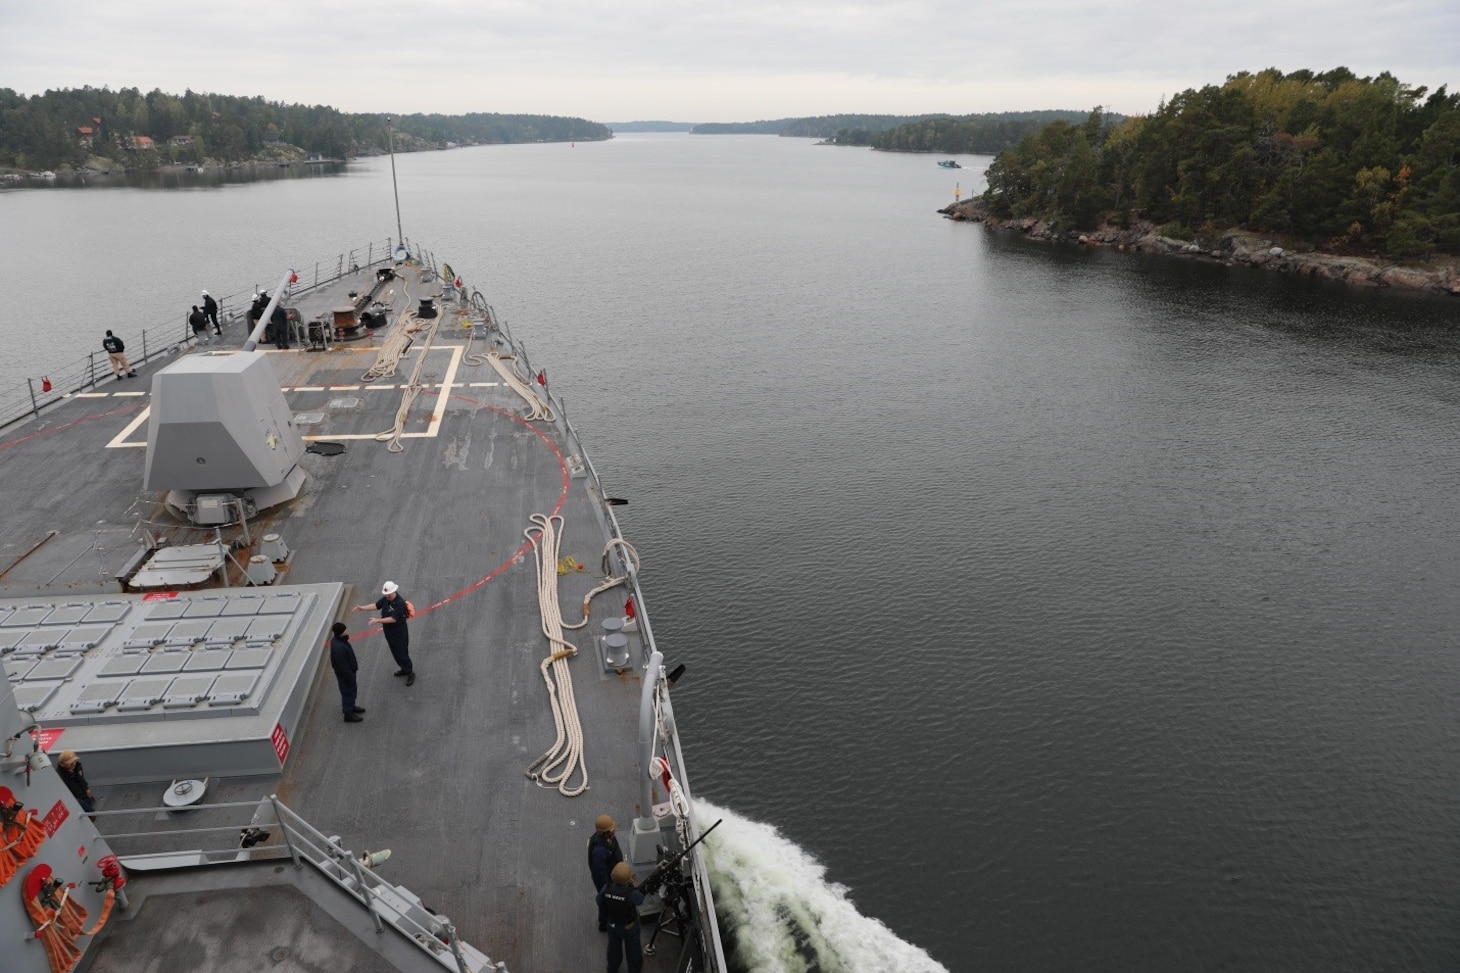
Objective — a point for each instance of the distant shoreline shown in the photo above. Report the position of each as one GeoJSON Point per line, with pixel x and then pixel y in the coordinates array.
{"type": "Point", "coordinates": [1233, 247]}
{"type": "Point", "coordinates": [282, 156]}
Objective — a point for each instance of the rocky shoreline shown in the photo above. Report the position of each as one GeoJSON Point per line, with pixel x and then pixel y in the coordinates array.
{"type": "Point", "coordinates": [1233, 247]}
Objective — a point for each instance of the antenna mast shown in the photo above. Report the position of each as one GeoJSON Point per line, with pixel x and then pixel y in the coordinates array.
{"type": "Point", "coordinates": [390, 136]}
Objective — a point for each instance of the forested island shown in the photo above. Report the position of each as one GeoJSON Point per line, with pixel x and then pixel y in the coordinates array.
{"type": "Point", "coordinates": [103, 129]}
{"type": "Point", "coordinates": [983, 134]}
{"type": "Point", "coordinates": [1353, 167]}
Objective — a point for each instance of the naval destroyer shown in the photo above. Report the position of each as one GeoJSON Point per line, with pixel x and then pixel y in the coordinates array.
{"type": "Point", "coordinates": [177, 546]}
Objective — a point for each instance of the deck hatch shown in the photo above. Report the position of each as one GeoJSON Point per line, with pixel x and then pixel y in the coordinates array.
{"type": "Point", "coordinates": [32, 697]}
{"type": "Point", "coordinates": [247, 605]}
{"type": "Point", "coordinates": [142, 694]}
{"type": "Point", "coordinates": [26, 616]}
{"type": "Point", "coordinates": [147, 635]}
{"type": "Point", "coordinates": [207, 660]}
{"type": "Point", "coordinates": [232, 689]}
{"type": "Point", "coordinates": [187, 691]}
{"type": "Point", "coordinates": [280, 604]}
{"type": "Point", "coordinates": [205, 608]}
{"type": "Point", "coordinates": [106, 612]}
{"type": "Point", "coordinates": [266, 629]}
{"type": "Point", "coordinates": [188, 633]}
{"type": "Point", "coordinates": [85, 636]}
{"type": "Point", "coordinates": [67, 615]}
{"type": "Point", "coordinates": [165, 662]}
{"type": "Point", "coordinates": [249, 659]}
{"type": "Point", "coordinates": [123, 665]}
{"type": "Point", "coordinates": [171, 608]}
{"type": "Point", "coordinates": [226, 631]}
{"type": "Point", "coordinates": [96, 697]}
{"type": "Point", "coordinates": [54, 669]}
{"type": "Point", "coordinates": [43, 638]}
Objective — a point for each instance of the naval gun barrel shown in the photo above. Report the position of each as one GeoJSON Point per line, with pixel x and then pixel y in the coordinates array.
{"type": "Point", "coordinates": [257, 334]}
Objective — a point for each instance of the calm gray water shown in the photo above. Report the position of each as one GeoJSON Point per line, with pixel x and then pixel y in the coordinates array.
{"type": "Point", "coordinates": [1062, 610]}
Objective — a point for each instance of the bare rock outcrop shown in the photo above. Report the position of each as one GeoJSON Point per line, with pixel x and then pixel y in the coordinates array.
{"type": "Point", "coordinates": [1233, 247]}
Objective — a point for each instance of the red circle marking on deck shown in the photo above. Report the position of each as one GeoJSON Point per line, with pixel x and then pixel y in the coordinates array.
{"type": "Point", "coordinates": [516, 555]}
{"type": "Point", "coordinates": [527, 544]}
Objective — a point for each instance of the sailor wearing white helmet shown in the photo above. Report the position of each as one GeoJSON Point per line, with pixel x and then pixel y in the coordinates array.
{"type": "Point", "coordinates": [394, 610]}
{"type": "Point", "coordinates": [210, 308]}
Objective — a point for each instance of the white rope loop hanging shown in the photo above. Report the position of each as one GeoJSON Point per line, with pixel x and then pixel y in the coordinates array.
{"type": "Point", "coordinates": [564, 760]}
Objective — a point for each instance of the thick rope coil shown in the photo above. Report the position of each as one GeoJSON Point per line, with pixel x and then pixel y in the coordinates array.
{"type": "Point", "coordinates": [397, 342]}
{"type": "Point", "coordinates": [507, 367]}
{"type": "Point", "coordinates": [408, 325]}
{"type": "Point", "coordinates": [564, 759]}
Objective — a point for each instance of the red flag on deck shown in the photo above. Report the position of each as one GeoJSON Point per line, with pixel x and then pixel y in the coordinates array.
{"type": "Point", "coordinates": [629, 608]}
{"type": "Point", "coordinates": [542, 379]}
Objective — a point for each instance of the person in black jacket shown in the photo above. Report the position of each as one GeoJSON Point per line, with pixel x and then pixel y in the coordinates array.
{"type": "Point", "coordinates": [603, 855]}
{"type": "Point", "coordinates": [115, 354]}
{"type": "Point", "coordinates": [394, 610]}
{"type": "Point", "coordinates": [210, 308]}
{"type": "Point", "coordinates": [345, 665]}
{"type": "Point", "coordinates": [199, 322]}
{"type": "Point", "coordinates": [279, 324]}
{"type": "Point", "coordinates": [621, 901]}
{"type": "Point", "coordinates": [256, 311]}
{"type": "Point", "coordinates": [69, 767]}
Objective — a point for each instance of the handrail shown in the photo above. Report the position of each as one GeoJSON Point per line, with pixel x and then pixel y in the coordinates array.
{"type": "Point", "coordinates": [698, 866]}
{"type": "Point", "coordinates": [388, 904]}
{"type": "Point", "coordinates": [20, 401]}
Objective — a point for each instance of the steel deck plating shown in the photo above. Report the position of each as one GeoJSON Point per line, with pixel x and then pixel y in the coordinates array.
{"type": "Point", "coordinates": [436, 770]}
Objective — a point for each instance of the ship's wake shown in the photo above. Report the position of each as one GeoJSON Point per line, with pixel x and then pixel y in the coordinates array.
{"type": "Point", "coordinates": [779, 913]}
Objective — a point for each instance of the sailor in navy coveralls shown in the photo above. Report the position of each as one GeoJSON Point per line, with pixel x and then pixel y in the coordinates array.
{"type": "Point", "coordinates": [345, 665]}
{"type": "Point", "coordinates": [393, 615]}
{"type": "Point", "coordinates": [603, 855]}
{"type": "Point", "coordinates": [621, 901]}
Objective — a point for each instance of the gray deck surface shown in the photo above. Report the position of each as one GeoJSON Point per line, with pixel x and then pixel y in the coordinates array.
{"type": "Point", "coordinates": [435, 771]}
{"type": "Point", "coordinates": [233, 931]}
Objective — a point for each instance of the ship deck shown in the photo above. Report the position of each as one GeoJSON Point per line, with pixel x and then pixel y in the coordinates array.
{"type": "Point", "coordinates": [435, 772]}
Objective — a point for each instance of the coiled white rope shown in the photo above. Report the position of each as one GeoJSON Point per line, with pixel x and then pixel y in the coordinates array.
{"type": "Point", "coordinates": [564, 758]}
{"type": "Point", "coordinates": [609, 581]}
{"type": "Point", "coordinates": [513, 378]}
{"type": "Point", "coordinates": [399, 341]}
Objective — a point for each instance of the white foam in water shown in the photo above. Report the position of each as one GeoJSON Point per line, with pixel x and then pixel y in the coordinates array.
{"type": "Point", "coordinates": [782, 913]}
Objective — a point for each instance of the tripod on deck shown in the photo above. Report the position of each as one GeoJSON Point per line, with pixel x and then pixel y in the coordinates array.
{"type": "Point", "coordinates": [678, 909]}
{"type": "Point", "coordinates": [673, 889]}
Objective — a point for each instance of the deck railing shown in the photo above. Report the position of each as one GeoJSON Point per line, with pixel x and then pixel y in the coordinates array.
{"type": "Point", "coordinates": [22, 400]}
{"type": "Point", "coordinates": [624, 567]}
{"type": "Point", "coordinates": [275, 832]}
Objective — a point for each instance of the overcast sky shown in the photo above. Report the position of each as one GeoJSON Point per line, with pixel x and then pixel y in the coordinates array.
{"type": "Point", "coordinates": [695, 61]}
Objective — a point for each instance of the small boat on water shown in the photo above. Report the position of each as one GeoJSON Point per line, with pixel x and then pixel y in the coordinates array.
{"type": "Point", "coordinates": [949, 164]}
